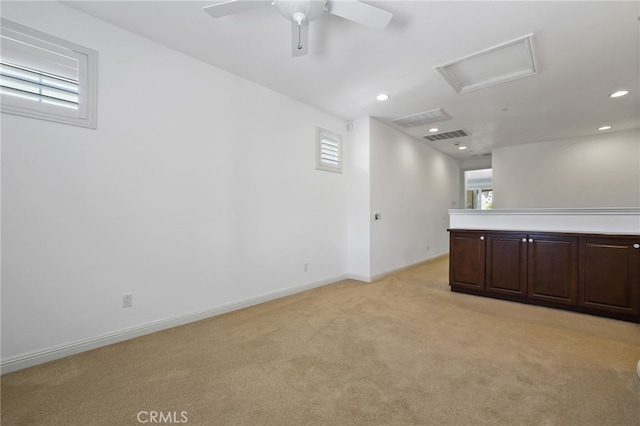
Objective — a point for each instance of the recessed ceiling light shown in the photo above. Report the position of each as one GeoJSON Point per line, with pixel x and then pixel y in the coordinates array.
{"type": "Point", "coordinates": [619, 93]}
{"type": "Point", "coordinates": [604, 128]}
{"type": "Point", "coordinates": [382, 97]}
{"type": "Point", "coordinates": [462, 147]}
{"type": "Point", "coordinates": [433, 129]}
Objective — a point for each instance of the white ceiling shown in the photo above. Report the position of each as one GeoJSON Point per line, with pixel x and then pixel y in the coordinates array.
{"type": "Point", "coordinates": [585, 51]}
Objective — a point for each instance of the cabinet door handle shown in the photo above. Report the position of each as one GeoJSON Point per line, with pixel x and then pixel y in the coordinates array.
{"type": "Point", "coordinates": [636, 246]}
{"type": "Point", "coordinates": [482, 237]}
{"type": "Point", "coordinates": [530, 240]}
{"type": "Point", "coordinates": [524, 240]}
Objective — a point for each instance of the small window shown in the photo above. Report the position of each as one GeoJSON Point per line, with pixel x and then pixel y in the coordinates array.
{"type": "Point", "coordinates": [329, 151]}
{"type": "Point", "coordinates": [44, 77]}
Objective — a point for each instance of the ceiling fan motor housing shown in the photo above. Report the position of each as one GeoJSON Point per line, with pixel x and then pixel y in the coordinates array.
{"type": "Point", "coordinates": [301, 10]}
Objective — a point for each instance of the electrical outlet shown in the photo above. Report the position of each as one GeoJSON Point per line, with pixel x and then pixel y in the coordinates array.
{"type": "Point", "coordinates": [127, 300]}
{"type": "Point", "coordinates": [306, 266]}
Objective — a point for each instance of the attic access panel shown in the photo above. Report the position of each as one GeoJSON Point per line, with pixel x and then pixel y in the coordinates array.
{"type": "Point", "coordinates": [499, 64]}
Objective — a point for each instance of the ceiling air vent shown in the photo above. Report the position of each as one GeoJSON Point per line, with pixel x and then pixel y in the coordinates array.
{"type": "Point", "coordinates": [422, 118]}
{"type": "Point", "coordinates": [446, 135]}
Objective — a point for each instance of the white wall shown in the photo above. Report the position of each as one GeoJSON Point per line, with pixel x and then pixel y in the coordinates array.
{"type": "Point", "coordinates": [412, 186]}
{"type": "Point", "coordinates": [475, 163]}
{"type": "Point", "coordinates": [594, 171]}
{"type": "Point", "coordinates": [190, 195]}
{"type": "Point", "coordinates": [358, 170]}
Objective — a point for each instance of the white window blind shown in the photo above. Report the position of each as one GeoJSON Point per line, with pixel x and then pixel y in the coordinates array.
{"type": "Point", "coordinates": [329, 151]}
{"type": "Point", "coordinates": [38, 86]}
{"type": "Point", "coordinates": [45, 77]}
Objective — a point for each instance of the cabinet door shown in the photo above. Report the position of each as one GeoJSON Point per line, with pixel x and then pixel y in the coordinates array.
{"type": "Point", "coordinates": [466, 259]}
{"type": "Point", "coordinates": [553, 268]}
{"type": "Point", "coordinates": [610, 274]}
{"type": "Point", "coordinates": [506, 264]}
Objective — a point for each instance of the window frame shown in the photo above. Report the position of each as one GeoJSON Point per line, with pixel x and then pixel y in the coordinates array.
{"type": "Point", "coordinates": [323, 134]}
{"type": "Point", "coordinates": [86, 113]}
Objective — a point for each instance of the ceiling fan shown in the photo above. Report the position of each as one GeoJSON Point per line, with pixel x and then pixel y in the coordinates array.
{"type": "Point", "coordinates": [301, 12]}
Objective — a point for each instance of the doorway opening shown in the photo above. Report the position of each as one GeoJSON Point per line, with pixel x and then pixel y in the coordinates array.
{"type": "Point", "coordinates": [478, 185]}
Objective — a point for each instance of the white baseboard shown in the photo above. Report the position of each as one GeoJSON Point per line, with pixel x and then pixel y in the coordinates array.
{"type": "Point", "coordinates": [40, 357]}
{"type": "Point", "coordinates": [357, 277]}
{"type": "Point", "coordinates": [404, 268]}
{"type": "Point", "coordinates": [370, 279]}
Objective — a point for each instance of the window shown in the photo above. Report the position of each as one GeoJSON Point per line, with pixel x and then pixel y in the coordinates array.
{"type": "Point", "coordinates": [45, 77]}
{"type": "Point", "coordinates": [329, 151]}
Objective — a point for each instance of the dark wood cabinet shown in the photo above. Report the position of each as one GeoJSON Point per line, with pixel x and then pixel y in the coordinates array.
{"type": "Point", "coordinates": [610, 274]}
{"type": "Point", "coordinates": [506, 263]}
{"type": "Point", "coordinates": [468, 247]}
{"type": "Point", "coordinates": [591, 273]}
{"type": "Point", "coordinates": [553, 268]}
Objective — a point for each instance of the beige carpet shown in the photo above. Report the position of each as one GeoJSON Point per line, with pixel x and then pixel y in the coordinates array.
{"type": "Point", "coordinates": [400, 351]}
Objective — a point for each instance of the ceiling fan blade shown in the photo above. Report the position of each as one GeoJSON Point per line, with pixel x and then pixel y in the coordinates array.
{"type": "Point", "coordinates": [231, 7]}
{"type": "Point", "coordinates": [360, 13]}
{"type": "Point", "coordinates": [299, 39]}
